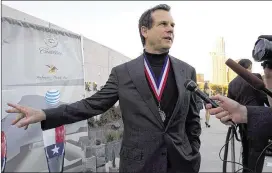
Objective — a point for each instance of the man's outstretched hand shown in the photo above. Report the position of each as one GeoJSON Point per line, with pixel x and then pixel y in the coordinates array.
{"type": "Point", "coordinates": [228, 110]}
{"type": "Point", "coordinates": [26, 115]}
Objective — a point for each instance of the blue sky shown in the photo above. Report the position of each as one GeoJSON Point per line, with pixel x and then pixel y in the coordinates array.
{"type": "Point", "coordinates": [198, 24]}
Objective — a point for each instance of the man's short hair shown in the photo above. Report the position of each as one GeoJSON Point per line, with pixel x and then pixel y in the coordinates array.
{"type": "Point", "coordinates": [246, 63]}
{"type": "Point", "coordinates": [146, 18]}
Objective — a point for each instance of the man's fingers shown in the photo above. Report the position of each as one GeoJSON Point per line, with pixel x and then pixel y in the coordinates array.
{"type": "Point", "coordinates": [216, 110]}
{"type": "Point", "coordinates": [24, 122]}
{"type": "Point", "coordinates": [26, 127]}
{"type": "Point", "coordinates": [13, 110]}
{"type": "Point", "coordinates": [16, 106]}
{"type": "Point", "coordinates": [218, 97]}
{"type": "Point", "coordinates": [18, 118]}
{"type": "Point", "coordinates": [225, 119]}
{"type": "Point", "coordinates": [209, 106]}
{"type": "Point", "coordinates": [222, 114]}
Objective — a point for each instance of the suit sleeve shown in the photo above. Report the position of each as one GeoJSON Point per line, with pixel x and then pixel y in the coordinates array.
{"type": "Point", "coordinates": [193, 126]}
{"type": "Point", "coordinates": [199, 103]}
{"type": "Point", "coordinates": [86, 108]}
{"type": "Point", "coordinates": [259, 121]}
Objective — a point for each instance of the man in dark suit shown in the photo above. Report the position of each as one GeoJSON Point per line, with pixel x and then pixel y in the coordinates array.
{"type": "Point", "coordinates": [161, 119]}
{"type": "Point", "coordinates": [240, 91]}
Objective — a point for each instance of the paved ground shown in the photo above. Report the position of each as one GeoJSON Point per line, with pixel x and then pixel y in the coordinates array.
{"type": "Point", "coordinates": [213, 139]}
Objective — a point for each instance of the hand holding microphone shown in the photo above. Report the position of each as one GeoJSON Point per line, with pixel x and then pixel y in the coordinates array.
{"type": "Point", "coordinates": [192, 86]}
{"type": "Point", "coordinates": [228, 110]}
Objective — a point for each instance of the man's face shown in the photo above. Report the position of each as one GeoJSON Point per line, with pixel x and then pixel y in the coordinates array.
{"type": "Point", "coordinates": [161, 35]}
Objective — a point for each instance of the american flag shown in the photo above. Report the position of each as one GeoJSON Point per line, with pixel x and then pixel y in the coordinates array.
{"type": "Point", "coordinates": [3, 151]}
{"type": "Point", "coordinates": [54, 147]}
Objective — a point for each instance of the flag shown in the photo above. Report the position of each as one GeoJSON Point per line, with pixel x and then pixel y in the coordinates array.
{"type": "Point", "coordinates": [54, 147]}
{"type": "Point", "coordinates": [3, 151]}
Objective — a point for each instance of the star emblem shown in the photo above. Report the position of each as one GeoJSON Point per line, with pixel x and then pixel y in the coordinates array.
{"type": "Point", "coordinates": [55, 150]}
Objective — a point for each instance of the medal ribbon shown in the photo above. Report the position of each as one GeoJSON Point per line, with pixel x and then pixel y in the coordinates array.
{"type": "Point", "coordinates": [157, 85]}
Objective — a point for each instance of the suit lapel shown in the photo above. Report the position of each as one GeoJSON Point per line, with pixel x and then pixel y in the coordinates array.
{"type": "Point", "coordinates": [180, 75]}
{"type": "Point", "coordinates": [136, 72]}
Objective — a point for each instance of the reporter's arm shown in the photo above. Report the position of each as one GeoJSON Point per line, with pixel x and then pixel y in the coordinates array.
{"type": "Point", "coordinates": [259, 121]}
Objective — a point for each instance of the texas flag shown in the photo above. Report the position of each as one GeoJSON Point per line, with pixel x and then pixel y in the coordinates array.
{"type": "Point", "coordinates": [3, 151]}
{"type": "Point", "coordinates": [54, 147]}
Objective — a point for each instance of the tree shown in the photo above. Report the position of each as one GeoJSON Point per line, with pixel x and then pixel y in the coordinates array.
{"type": "Point", "coordinates": [219, 89]}
{"type": "Point", "coordinates": [201, 86]}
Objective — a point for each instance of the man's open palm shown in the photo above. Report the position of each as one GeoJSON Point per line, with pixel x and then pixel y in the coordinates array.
{"type": "Point", "coordinates": [26, 115]}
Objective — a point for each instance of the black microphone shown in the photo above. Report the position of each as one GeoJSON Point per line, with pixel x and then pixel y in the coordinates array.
{"type": "Point", "coordinates": [250, 78]}
{"type": "Point", "coordinates": [192, 86]}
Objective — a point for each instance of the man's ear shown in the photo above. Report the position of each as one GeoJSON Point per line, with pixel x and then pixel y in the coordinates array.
{"type": "Point", "coordinates": [144, 31]}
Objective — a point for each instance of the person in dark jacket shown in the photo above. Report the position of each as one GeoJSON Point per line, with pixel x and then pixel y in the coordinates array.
{"type": "Point", "coordinates": [161, 120]}
{"type": "Point", "coordinates": [240, 91]}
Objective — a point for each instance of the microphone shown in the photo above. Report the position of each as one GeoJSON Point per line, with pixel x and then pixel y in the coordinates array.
{"type": "Point", "coordinates": [250, 78]}
{"type": "Point", "coordinates": [268, 37]}
{"type": "Point", "coordinates": [192, 86]}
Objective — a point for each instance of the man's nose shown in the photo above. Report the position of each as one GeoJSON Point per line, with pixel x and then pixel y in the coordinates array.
{"type": "Point", "coordinates": [170, 29]}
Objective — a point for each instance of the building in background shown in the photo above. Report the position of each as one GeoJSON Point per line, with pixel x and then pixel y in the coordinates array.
{"type": "Point", "coordinates": [230, 73]}
{"type": "Point", "coordinates": [219, 68]}
{"type": "Point", "coordinates": [200, 78]}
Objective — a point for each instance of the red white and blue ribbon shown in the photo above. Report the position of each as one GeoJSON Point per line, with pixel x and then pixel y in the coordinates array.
{"type": "Point", "coordinates": [3, 151]}
{"type": "Point", "coordinates": [157, 85]}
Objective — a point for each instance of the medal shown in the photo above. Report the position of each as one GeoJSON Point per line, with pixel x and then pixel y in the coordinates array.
{"type": "Point", "coordinates": [162, 114]}
{"type": "Point", "coordinates": [158, 85]}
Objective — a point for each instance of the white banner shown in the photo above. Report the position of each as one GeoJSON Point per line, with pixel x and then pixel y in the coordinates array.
{"type": "Point", "coordinates": [41, 68]}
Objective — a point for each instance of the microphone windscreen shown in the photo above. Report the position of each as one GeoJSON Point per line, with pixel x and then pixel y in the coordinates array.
{"type": "Point", "coordinates": [268, 37]}
{"type": "Point", "coordinates": [250, 78]}
{"type": "Point", "coordinates": [190, 85]}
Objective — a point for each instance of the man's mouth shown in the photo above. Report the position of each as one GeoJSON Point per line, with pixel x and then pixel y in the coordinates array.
{"type": "Point", "coordinates": [168, 38]}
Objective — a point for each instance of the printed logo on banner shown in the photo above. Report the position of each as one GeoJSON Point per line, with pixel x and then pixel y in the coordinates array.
{"type": "Point", "coordinates": [52, 97]}
{"type": "Point", "coordinates": [51, 43]}
{"type": "Point", "coordinates": [52, 69]}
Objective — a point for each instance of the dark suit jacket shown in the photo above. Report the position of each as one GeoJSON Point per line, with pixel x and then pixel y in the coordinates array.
{"type": "Point", "coordinates": [199, 103]}
{"type": "Point", "coordinates": [259, 121]}
{"type": "Point", "coordinates": [146, 141]}
{"type": "Point", "coordinates": [240, 91]}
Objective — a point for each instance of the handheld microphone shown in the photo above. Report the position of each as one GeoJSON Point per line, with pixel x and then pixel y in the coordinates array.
{"type": "Point", "coordinates": [250, 78]}
{"type": "Point", "coordinates": [192, 86]}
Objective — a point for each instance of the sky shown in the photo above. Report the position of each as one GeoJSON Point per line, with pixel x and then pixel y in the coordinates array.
{"type": "Point", "coordinates": [198, 24]}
